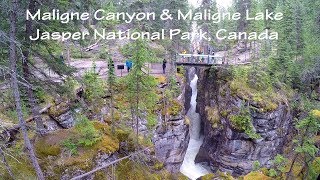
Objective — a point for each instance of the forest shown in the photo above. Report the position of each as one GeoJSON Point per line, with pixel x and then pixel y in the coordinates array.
{"type": "Point", "coordinates": [104, 89]}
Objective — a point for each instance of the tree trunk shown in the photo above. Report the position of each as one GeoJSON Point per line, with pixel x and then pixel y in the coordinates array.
{"type": "Point", "coordinates": [112, 113]}
{"type": "Point", "coordinates": [26, 73]}
{"type": "Point", "coordinates": [4, 161]}
{"type": "Point", "coordinates": [137, 111]}
{"type": "Point", "coordinates": [15, 89]}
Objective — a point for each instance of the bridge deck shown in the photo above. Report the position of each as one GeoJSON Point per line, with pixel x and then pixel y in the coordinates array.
{"type": "Point", "coordinates": [206, 60]}
{"type": "Point", "coordinates": [195, 64]}
{"type": "Point", "coordinates": [199, 60]}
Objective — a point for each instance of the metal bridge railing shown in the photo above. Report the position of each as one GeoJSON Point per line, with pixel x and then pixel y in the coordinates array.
{"type": "Point", "coordinates": [199, 59]}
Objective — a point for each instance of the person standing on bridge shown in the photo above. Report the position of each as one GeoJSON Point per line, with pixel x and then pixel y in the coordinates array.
{"type": "Point", "coordinates": [164, 65]}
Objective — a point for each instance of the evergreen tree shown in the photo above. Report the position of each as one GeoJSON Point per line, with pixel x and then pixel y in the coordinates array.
{"type": "Point", "coordinates": [305, 144]}
{"type": "Point", "coordinates": [111, 87]}
{"type": "Point", "coordinates": [208, 26]}
{"type": "Point", "coordinates": [140, 86]}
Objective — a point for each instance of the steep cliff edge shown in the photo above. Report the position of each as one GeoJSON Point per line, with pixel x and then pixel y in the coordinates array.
{"type": "Point", "coordinates": [241, 124]}
{"type": "Point", "coordinates": [171, 137]}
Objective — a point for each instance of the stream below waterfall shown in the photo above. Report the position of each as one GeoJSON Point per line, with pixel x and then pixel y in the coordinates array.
{"type": "Point", "coordinates": [189, 168]}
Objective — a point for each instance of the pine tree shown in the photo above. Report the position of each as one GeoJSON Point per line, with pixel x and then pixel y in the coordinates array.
{"type": "Point", "coordinates": [111, 87]}
{"type": "Point", "coordinates": [208, 26]}
{"type": "Point", "coordinates": [305, 144]}
{"type": "Point", "coordinates": [140, 86]}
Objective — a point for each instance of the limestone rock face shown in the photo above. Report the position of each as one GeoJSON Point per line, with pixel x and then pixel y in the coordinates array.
{"type": "Point", "coordinates": [171, 143]}
{"type": "Point", "coordinates": [66, 120]}
{"type": "Point", "coordinates": [227, 148]}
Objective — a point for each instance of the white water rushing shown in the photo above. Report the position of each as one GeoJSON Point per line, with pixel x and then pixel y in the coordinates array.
{"type": "Point", "coordinates": [189, 168]}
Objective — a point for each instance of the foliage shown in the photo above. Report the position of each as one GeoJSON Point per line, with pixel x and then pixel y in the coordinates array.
{"type": "Point", "coordinates": [272, 173]}
{"type": "Point", "coordinates": [152, 121]}
{"type": "Point", "coordinates": [254, 85]}
{"type": "Point", "coordinates": [242, 122]}
{"type": "Point", "coordinates": [140, 87]}
{"type": "Point", "coordinates": [11, 113]}
{"type": "Point", "coordinates": [314, 169]}
{"type": "Point", "coordinates": [85, 135]}
{"type": "Point", "coordinates": [305, 140]}
{"type": "Point", "coordinates": [279, 163]}
{"type": "Point", "coordinates": [88, 134]}
{"type": "Point", "coordinates": [308, 126]}
{"type": "Point", "coordinates": [71, 146]}
{"type": "Point", "coordinates": [94, 86]}
{"type": "Point", "coordinates": [256, 165]}
{"type": "Point", "coordinates": [69, 87]}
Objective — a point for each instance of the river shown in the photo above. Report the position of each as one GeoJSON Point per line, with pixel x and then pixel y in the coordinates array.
{"type": "Point", "coordinates": [189, 168]}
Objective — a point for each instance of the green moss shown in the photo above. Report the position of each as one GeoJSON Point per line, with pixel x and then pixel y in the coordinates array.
{"type": "Point", "coordinates": [107, 144]}
{"type": "Point", "coordinates": [213, 116]}
{"type": "Point", "coordinates": [175, 108]}
{"type": "Point", "coordinates": [256, 176]}
{"type": "Point", "coordinates": [218, 175]}
{"type": "Point", "coordinates": [158, 166]}
{"type": "Point", "coordinates": [122, 135]}
{"type": "Point", "coordinates": [208, 177]}
{"type": "Point", "coordinates": [242, 122]}
{"type": "Point", "coordinates": [100, 175]}
{"type": "Point", "coordinates": [224, 113]}
{"type": "Point", "coordinates": [44, 149]}
{"type": "Point", "coordinates": [21, 168]}
{"type": "Point", "coordinates": [264, 171]}
{"type": "Point", "coordinates": [58, 109]}
{"type": "Point", "coordinates": [133, 170]}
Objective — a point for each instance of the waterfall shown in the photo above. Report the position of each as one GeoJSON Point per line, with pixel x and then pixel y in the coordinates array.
{"type": "Point", "coordinates": [189, 168]}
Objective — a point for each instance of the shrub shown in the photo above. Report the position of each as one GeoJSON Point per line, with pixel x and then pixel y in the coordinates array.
{"type": "Point", "coordinates": [152, 121]}
{"type": "Point", "coordinates": [279, 162]}
{"type": "Point", "coordinates": [242, 122]}
{"type": "Point", "coordinates": [88, 134]}
{"type": "Point", "coordinates": [85, 135]}
{"type": "Point", "coordinates": [71, 146]}
{"type": "Point", "coordinates": [94, 86]}
{"type": "Point", "coordinates": [272, 173]}
{"type": "Point", "coordinates": [256, 165]}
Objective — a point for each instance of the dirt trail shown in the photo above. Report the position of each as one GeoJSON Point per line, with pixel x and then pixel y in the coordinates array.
{"type": "Point", "coordinates": [101, 67]}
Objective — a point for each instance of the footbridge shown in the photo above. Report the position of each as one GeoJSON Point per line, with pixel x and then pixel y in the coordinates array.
{"type": "Point", "coordinates": [204, 60]}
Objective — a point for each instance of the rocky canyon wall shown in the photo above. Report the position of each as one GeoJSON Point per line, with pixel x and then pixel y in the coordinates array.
{"type": "Point", "coordinates": [228, 146]}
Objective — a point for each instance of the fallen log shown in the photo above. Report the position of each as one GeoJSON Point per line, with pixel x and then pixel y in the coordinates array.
{"type": "Point", "coordinates": [107, 165]}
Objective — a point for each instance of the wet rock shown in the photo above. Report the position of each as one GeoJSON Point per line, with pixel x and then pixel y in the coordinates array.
{"type": "Point", "coordinates": [66, 120]}
{"type": "Point", "coordinates": [171, 143]}
{"type": "Point", "coordinates": [62, 114]}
